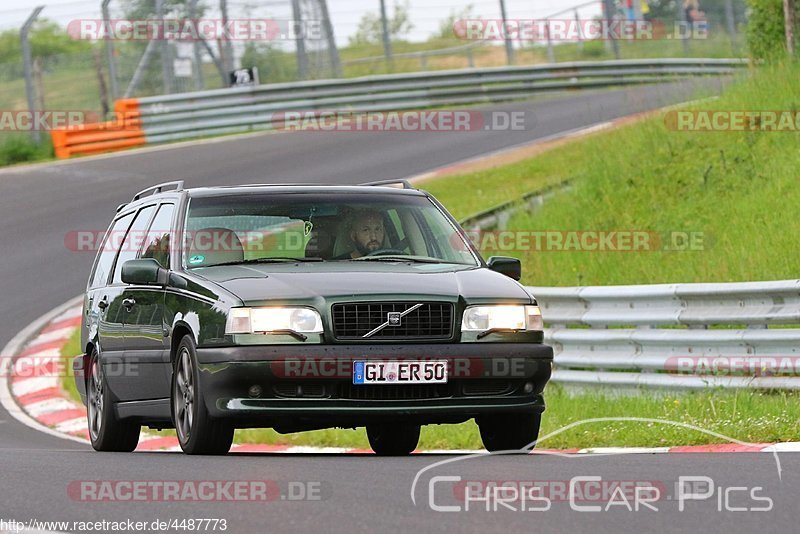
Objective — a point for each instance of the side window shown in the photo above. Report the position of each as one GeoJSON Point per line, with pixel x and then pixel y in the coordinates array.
{"type": "Point", "coordinates": [156, 244]}
{"type": "Point", "coordinates": [133, 241]}
{"type": "Point", "coordinates": [105, 259]}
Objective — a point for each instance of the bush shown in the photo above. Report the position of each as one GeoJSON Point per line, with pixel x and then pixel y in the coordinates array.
{"type": "Point", "coordinates": [765, 29]}
{"type": "Point", "coordinates": [21, 148]}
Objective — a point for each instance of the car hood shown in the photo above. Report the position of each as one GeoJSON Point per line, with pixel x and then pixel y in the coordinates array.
{"type": "Point", "coordinates": [340, 281]}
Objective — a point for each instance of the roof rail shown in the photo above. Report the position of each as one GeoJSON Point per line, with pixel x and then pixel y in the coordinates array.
{"type": "Point", "coordinates": [156, 189]}
{"type": "Point", "coordinates": [405, 183]}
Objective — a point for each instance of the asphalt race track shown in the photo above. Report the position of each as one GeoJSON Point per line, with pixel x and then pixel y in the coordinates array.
{"type": "Point", "coordinates": [351, 493]}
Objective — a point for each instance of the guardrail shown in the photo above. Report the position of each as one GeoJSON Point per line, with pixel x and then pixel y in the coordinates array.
{"type": "Point", "coordinates": [675, 335]}
{"type": "Point", "coordinates": [234, 110]}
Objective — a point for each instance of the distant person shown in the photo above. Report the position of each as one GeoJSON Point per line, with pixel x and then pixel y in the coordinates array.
{"type": "Point", "coordinates": [366, 234]}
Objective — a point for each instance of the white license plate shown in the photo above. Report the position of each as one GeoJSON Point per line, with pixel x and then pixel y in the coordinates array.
{"type": "Point", "coordinates": [400, 372]}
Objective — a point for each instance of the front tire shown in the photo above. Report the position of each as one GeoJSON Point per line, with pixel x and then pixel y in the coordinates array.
{"type": "Point", "coordinates": [106, 432]}
{"type": "Point", "coordinates": [198, 432]}
{"type": "Point", "coordinates": [510, 432]}
{"type": "Point", "coordinates": [393, 440]}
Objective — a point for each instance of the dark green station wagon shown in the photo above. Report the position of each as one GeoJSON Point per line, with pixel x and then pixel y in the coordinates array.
{"type": "Point", "coordinates": [302, 307]}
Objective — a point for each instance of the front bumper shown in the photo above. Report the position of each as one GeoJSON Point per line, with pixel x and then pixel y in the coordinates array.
{"type": "Point", "coordinates": [289, 386]}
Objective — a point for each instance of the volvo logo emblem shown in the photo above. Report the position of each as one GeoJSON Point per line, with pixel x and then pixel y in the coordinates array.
{"type": "Point", "coordinates": [392, 319]}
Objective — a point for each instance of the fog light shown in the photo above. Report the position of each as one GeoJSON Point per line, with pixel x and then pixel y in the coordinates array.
{"type": "Point", "coordinates": [528, 387]}
{"type": "Point", "coordinates": [255, 391]}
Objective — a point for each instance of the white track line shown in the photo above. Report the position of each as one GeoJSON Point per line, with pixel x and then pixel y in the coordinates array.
{"type": "Point", "coordinates": [11, 349]}
{"type": "Point", "coordinates": [32, 385]}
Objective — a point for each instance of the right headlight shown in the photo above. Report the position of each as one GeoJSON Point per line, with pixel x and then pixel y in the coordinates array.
{"type": "Point", "coordinates": [502, 317]}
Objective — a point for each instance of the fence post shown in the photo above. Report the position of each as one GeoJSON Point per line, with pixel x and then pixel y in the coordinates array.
{"type": "Point", "coordinates": [333, 52]}
{"type": "Point", "coordinates": [387, 39]}
{"type": "Point", "coordinates": [199, 80]}
{"type": "Point", "coordinates": [27, 63]}
{"type": "Point", "coordinates": [166, 56]}
{"type": "Point", "coordinates": [299, 42]}
{"type": "Point", "coordinates": [509, 44]}
{"type": "Point", "coordinates": [112, 62]}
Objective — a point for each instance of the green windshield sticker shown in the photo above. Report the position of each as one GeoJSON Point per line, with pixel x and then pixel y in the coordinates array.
{"type": "Point", "coordinates": [196, 259]}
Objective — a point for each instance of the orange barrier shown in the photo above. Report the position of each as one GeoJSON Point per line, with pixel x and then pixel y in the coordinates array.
{"type": "Point", "coordinates": [124, 131]}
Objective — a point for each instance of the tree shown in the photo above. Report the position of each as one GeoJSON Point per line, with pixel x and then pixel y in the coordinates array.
{"type": "Point", "coordinates": [47, 39]}
{"type": "Point", "coordinates": [446, 26]}
{"type": "Point", "coordinates": [370, 29]}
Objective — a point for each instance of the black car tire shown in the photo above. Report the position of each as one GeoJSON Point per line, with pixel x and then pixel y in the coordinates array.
{"type": "Point", "coordinates": [106, 432]}
{"type": "Point", "coordinates": [198, 432]}
{"type": "Point", "coordinates": [510, 432]}
{"type": "Point", "coordinates": [393, 440]}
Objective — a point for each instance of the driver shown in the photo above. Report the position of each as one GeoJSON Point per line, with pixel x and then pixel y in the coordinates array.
{"type": "Point", "coordinates": [366, 234]}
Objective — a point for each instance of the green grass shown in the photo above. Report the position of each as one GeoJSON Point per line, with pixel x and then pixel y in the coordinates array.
{"type": "Point", "coordinates": [69, 351]}
{"type": "Point", "coordinates": [738, 189]}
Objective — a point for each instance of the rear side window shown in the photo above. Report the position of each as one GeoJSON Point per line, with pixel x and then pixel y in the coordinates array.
{"type": "Point", "coordinates": [105, 259]}
{"type": "Point", "coordinates": [156, 244]}
{"type": "Point", "coordinates": [133, 241]}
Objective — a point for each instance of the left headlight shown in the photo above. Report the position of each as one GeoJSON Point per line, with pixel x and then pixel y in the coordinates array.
{"type": "Point", "coordinates": [501, 317]}
{"type": "Point", "coordinates": [272, 319]}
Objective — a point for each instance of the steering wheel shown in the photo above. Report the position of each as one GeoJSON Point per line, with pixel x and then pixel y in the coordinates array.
{"type": "Point", "coordinates": [387, 252]}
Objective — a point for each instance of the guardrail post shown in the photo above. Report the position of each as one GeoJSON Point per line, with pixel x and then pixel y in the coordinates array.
{"type": "Point", "coordinates": [28, 66]}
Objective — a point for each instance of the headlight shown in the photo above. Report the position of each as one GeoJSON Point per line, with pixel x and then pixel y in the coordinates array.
{"type": "Point", "coordinates": [262, 320]}
{"type": "Point", "coordinates": [505, 317]}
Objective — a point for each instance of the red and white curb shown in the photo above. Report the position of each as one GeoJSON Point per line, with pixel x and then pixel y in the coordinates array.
{"type": "Point", "coordinates": [30, 390]}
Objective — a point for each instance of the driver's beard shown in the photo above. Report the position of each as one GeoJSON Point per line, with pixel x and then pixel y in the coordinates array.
{"type": "Point", "coordinates": [364, 249]}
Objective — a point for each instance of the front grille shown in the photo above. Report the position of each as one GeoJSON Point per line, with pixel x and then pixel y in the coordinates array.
{"type": "Point", "coordinates": [398, 392]}
{"type": "Point", "coordinates": [432, 320]}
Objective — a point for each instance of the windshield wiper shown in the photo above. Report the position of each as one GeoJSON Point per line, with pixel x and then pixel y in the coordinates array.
{"type": "Point", "coordinates": [279, 259]}
{"type": "Point", "coordinates": [415, 259]}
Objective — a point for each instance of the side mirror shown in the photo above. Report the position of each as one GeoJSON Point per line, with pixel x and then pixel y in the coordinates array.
{"type": "Point", "coordinates": [510, 267]}
{"type": "Point", "coordinates": [146, 271]}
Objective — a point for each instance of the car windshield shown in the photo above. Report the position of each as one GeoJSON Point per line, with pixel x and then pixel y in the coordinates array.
{"type": "Point", "coordinates": [284, 227]}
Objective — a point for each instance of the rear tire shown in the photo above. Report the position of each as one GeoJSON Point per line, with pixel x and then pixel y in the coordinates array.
{"type": "Point", "coordinates": [198, 432]}
{"type": "Point", "coordinates": [510, 432]}
{"type": "Point", "coordinates": [106, 432]}
{"type": "Point", "coordinates": [393, 440]}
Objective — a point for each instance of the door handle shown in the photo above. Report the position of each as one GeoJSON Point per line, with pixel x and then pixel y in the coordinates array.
{"type": "Point", "coordinates": [103, 304]}
{"type": "Point", "coordinates": [128, 303]}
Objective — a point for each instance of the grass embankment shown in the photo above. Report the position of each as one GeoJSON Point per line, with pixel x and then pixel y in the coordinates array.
{"type": "Point", "coordinates": [738, 189]}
